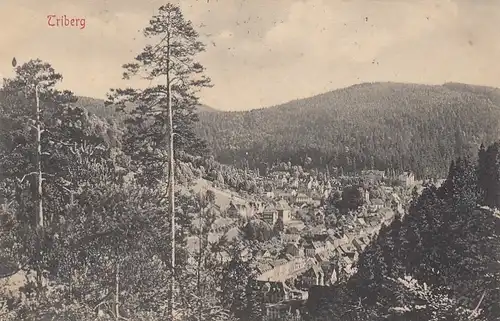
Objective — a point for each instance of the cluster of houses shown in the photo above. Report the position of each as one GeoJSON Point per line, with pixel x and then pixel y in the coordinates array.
{"type": "Point", "coordinates": [406, 179]}
{"type": "Point", "coordinates": [307, 256]}
{"type": "Point", "coordinates": [320, 259]}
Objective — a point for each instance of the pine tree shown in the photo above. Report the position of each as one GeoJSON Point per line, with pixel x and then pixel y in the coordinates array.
{"type": "Point", "coordinates": [161, 120]}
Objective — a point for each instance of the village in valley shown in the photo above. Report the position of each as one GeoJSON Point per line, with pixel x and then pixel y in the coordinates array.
{"type": "Point", "coordinates": [308, 228]}
{"type": "Point", "coordinates": [249, 161]}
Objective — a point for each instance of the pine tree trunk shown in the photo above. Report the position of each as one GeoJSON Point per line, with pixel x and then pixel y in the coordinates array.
{"type": "Point", "coordinates": [171, 183]}
{"type": "Point", "coordinates": [39, 214]}
{"type": "Point", "coordinates": [117, 291]}
{"type": "Point", "coordinates": [39, 160]}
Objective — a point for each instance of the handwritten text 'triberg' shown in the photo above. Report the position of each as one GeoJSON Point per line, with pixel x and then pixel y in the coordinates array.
{"type": "Point", "coordinates": [63, 21]}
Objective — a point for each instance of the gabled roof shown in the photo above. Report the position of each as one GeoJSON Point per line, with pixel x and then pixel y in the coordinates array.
{"type": "Point", "coordinates": [347, 260]}
{"type": "Point", "coordinates": [263, 267]}
{"type": "Point", "coordinates": [317, 244]}
{"type": "Point", "coordinates": [290, 237]}
{"type": "Point", "coordinates": [323, 256]}
{"type": "Point", "coordinates": [361, 221]}
{"type": "Point", "coordinates": [283, 205]}
{"type": "Point", "coordinates": [347, 248]}
{"type": "Point", "coordinates": [278, 262]}
{"type": "Point", "coordinates": [374, 221]}
{"type": "Point", "coordinates": [270, 208]}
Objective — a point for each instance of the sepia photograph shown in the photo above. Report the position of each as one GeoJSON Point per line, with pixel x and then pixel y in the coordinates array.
{"type": "Point", "coordinates": [250, 160]}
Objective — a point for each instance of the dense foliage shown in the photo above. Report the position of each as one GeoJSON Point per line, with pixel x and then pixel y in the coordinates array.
{"type": "Point", "coordinates": [104, 251]}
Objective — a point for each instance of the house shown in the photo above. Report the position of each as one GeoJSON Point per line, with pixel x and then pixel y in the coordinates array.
{"type": "Point", "coordinates": [309, 249]}
{"type": "Point", "coordinates": [360, 244]}
{"type": "Point", "coordinates": [287, 196]}
{"type": "Point", "coordinates": [296, 264]}
{"type": "Point", "coordinates": [271, 292]}
{"type": "Point", "coordinates": [263, 267]}
{"type": "Point", "coordinates": [361, 221]}
{"type": "Point", "coordinates": [257, 206]}
{"type": "Point", "coordinates": [346, 265]}
{"type": "Point", "coordinates": [292, 249]}
{"type": "Point", "coordinates": [280, 269]}
{"type": "Point", "coordinates": [316, 203]}
{"type": "Point", "coordinates": [374, 225]}
{"type": "Point", "coordinates": [388, 189]}
{"type": "Point", "coordinates": [373, 175]}
{"type": "Point", "coordinates": [294, 226]}
{"type": "Point", "coordinates": [270, 215]}
{"type": "Point", "coordinates": [290, 238]}
{"type": "Point", "coordinates": [313, 276]}
{"type": "Point", "coordinates": [266, 254]}
{"type": "Point", "coordinates": [302, 198]}
{"type": "Point", "coordinates": [284, 210]}
{"type": "Point", "coordinates": [319, 214]}
{"type": "Point", "coordinates": [386, 215]}
{"type": "Point", "coordinates": [337, 239]}
{"type": "Point", "coordinates": [330, 273]}
{"type": "Point", "coordinates": [348, 250]}
{"type": "Point", "coordinates": [323, 257]}
{"type": "Point", "coordinates": [315, 245]}
{"type": "Point", "coordinates": [240, 210]}
{"type": "Point", "coordinates": [376, 204]}
{"type": "Point", "coordinates": [407, 179]}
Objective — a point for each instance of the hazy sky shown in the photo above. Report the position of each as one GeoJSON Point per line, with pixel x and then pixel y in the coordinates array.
{"type": "Point", "coordinates": [264, 52]}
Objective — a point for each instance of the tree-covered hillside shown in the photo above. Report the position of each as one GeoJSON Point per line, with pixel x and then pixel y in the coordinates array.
{"type": "Point", "coordinates": [380, 125]}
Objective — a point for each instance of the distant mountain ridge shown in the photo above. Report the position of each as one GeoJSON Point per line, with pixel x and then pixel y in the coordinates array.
{"type": "Point", "coordinates": [370, 125]}
{"type": "Point", "coordinates": [379, 125]}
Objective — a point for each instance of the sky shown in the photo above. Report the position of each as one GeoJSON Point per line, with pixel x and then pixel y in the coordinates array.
{"type": "Point", "coordinates": [261, 53]}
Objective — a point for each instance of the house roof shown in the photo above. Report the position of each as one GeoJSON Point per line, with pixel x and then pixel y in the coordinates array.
{"type": "Point", "coordinates": [373, 221]}
{"type": "Point", "coordinates": [263, 267]}
{"type": "Point", "coordinates": [361, 221]}
{"type": "Point", "coordinates": [269, 208]}
{"type": "Point", "coordinates": [278, 262]}
{"type": "Point", "coordinates": [347, 260]}
{"type": "Point", "coordinates": [290, 237]}
{"type": "Point", "coordinates": [317, 244]}
{"type": "Point", "coordinates": [317, 268]}
{"type": "Point", "coordinates": [298, 224]}
{"type": "Point", "coordinates": [283, 205]}
{"type": "Point", "coordinates": [323, 256]}
{"type": "Point", "coordinates": [347, 248]}
{"type": "Point", "coordinates": [270, 286]}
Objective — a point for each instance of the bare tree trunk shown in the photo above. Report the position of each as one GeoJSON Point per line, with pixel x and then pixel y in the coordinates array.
{"type": "Point", "coordinates": [171, 183]}
{"type": "Point", "coordinates": [200, 258]}
{"type": "Point", "coordinates": [39, 214]}
{"type": "Point", "coordinates": [117, 291]}
{"type": "Point", "coordinates": [39, 160]}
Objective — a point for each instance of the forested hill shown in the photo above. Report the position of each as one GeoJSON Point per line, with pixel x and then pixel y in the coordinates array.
{"type": "Point", "coordinates": [406, 126]}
